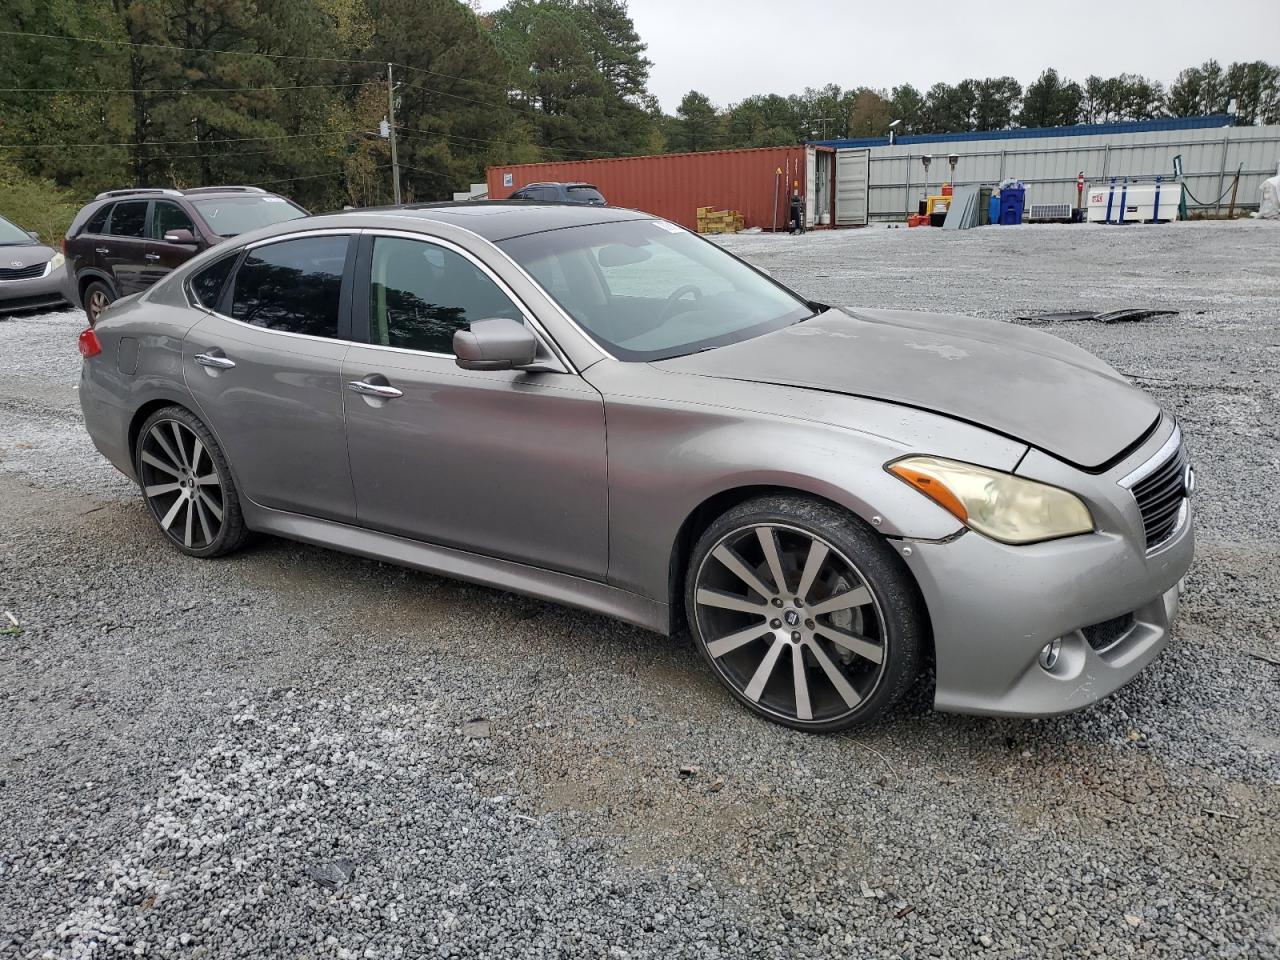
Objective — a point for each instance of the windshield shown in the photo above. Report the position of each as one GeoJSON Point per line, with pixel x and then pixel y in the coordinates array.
{"type": "Point", "coordinates": [584, 194]}
{"type": "Point", "coordinates": [9, 234]}
{"type": "Point", "coordinates": [229, 216]}
{"type": "Point", "coordinates": [649, 290]}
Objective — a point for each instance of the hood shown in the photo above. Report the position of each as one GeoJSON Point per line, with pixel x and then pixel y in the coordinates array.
{"type": "Point", "coordinates": [26, 254]}
{"type": "Point", "coordinates": [1018, 382]}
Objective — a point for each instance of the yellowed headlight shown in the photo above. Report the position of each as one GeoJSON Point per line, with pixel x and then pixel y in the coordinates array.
{"type": "Point", "coordinates": [996, 504]}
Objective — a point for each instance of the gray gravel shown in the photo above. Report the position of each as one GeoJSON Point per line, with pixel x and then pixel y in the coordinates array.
{"type": "Point", "coordinates": [295, 753]}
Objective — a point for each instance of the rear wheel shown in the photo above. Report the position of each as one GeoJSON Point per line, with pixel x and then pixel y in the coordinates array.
{"type": "Point", "coordinates": [97, 297]}
{"type": "Point", "coordinates": [187, 484]}
{"type": "Point", "coordinates": [804, 613]}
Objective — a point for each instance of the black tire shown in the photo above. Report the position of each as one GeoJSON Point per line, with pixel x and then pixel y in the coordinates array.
{"type": "Point", "coordinates": [97, 297]}
{"type": "Point", "coordinates": [162, 460]}
{"type": "Point", "coordinates": [891, 624]}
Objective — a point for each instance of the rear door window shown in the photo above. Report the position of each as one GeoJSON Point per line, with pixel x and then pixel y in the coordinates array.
{"type": "Point", "coordinates": [294, 286]}
{"type": "Point", "coordinates": [129, 219]}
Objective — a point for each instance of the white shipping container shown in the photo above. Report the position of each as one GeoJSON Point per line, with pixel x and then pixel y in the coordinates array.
{"type": "Point", "coordinates": [1133, 202]}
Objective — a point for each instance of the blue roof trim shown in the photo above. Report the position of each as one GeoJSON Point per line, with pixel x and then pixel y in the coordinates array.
{"type": "Point", "coordinates": [1019, 133]}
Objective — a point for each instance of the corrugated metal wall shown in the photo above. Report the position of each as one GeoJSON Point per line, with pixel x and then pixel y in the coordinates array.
{"type": "Point", "coordinates": [1048, 165]}
{"type": "Point", "coordinates": [674, 185]}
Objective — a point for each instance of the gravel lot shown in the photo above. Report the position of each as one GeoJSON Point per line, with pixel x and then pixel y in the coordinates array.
{"type": "Point", "coordinates": [274, 754]}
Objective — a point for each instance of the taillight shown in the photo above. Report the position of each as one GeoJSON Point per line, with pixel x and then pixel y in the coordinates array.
{"type": "Point", "coordinates": [64, 246]}
{"type": "Point", "coordinates": [88, 343]}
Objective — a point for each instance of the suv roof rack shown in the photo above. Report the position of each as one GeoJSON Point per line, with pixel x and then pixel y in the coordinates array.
{"type": "Point", "coordinates": [135, 190]}
{"type": "Point", "coordinates": [228, 189]}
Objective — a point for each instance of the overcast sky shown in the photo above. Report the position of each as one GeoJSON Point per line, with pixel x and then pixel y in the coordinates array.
{"type": "Point", "coordinates": [730, 49]}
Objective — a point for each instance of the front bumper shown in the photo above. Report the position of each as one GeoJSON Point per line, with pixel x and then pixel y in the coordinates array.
{"type": "Point", "coordinates": [39, 293]}
{"type": "Point", "coordinates": [994, 607]}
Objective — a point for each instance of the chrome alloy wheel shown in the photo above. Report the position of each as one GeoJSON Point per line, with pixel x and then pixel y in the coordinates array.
{"type": "Point", "coordinates": [182, 484]}
{"type": "Point", "coordinates": [790, 623]}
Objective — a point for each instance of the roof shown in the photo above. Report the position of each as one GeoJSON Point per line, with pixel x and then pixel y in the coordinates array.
{"type": "Point", "coordinates": [503, 219]}
{"type": "Point", "coordinates": [1019, 133]}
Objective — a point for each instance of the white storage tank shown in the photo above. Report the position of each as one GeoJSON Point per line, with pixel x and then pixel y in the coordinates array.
{"type": "Point", "coordinates": [1145, 202]}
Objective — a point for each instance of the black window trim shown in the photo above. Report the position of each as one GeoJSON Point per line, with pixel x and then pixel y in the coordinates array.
{"type": "Point", "coordinates": [223, 308]}
{"type": "Point", "coordinates": [362, 321]}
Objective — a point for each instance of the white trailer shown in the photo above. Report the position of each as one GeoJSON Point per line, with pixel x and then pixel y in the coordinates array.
{"type": "Point", "coordinates": [1145, 202]}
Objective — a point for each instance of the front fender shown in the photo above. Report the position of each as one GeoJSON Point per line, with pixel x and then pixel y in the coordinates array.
{"type": "Point", "coordinates": [701, 438]}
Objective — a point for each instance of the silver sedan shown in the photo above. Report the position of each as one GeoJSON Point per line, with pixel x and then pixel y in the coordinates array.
{"type": "Point", "coordinates": [597, 407]}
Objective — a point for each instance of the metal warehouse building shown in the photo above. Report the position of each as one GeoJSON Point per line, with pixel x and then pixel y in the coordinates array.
{"type": "Point", "coordinates": [854, 182]}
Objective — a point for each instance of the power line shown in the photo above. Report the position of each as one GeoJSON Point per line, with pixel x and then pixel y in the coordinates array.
{"type": "Point", "coordinates": [196, 90]}
{"type": "Point", "coordinates": [314, 176]}
{"type": "Point", "coordinates": [426, 134]}
{"type": "Point", "coordinates": [168, 143]}
{"type": "Point", "coordinates": [246, 53]}
{"type": "Point", "coordinates": [456, 96]}
{"type": "Point", "coordinates": [170, 46]}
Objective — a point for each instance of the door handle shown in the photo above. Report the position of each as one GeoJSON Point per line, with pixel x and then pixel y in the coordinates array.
{"type": "Point", "coordinates": [217, 363]}
{"type": "Point", "coordinates": [382, 391]}
{"type": "Point", "coordinates": [151, 256]}
{"type": "Point", "coordinates": [103, 250]}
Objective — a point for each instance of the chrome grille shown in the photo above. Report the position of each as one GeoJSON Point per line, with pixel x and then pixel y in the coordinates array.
{"type": "Point", "coordinates": [1160, 497]}
{"type": "Point", "coordinates": [31, 272]}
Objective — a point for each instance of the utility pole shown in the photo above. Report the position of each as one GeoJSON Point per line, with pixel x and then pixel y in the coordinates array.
{"type": "Point", "coordinates": [391, 123]}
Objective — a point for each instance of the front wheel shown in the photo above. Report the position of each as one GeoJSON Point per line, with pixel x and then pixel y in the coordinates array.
{"type": "Point", "coordinates": [187, 483]}
{"type": "Point", "coordinates": [804, 613]}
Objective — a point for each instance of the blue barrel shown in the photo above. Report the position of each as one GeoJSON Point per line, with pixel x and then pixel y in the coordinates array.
{"type": "Point", "coordinates": [1012, 202]}
{"type": "Point", "coordinates": [993, 209]}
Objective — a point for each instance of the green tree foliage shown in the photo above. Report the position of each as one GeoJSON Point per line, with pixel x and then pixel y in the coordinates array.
{"type": "Point", "coordinates": [289, 94]}
{"type": "Point", "coordinates": [697, 125]}
{"type": "Point", "coordinates": [1051, 101]}
{"type": "Point", "coordinates": [1255, 87]}
{"type": "Point", "coordinates": [762, 121]}
{"type": "Point", "coordinates": [580, 70]}
{"type": "Point", "coordinates": [907, 104]}
{"type": "Point", "coordinates": [1199, 90]}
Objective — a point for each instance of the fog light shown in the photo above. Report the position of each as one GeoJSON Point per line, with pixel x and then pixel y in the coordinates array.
{"type": "Point", "coordinates": [1049, 655]}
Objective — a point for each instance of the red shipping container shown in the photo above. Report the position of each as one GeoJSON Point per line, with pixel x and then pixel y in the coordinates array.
{"type": "Point", "coordinates": [675, 185]}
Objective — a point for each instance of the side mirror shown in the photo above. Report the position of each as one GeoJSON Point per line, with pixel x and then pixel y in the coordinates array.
{"type": "Point", "coordinates": [497, 344]}
{"type": "Point", "coordinates": [179, 236]}
{"type": "Point", "coordinates": [34, 236]}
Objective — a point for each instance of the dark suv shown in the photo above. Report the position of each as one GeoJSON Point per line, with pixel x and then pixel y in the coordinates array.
{"type": "Point", "coordinates": [125, 240]}
{"type": "Point", "coordinates": [560, 193]}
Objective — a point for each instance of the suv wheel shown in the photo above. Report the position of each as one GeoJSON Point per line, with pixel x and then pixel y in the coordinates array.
{"type": "Point", "coordinates": [97, 297]}
{"type": "Point", "coordinates": [804, 613]}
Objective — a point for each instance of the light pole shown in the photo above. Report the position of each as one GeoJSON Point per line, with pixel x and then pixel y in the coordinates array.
{"type": "Point", "coordinates": [893, 133]}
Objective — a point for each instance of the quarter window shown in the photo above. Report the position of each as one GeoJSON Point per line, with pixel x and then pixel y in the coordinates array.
{"type": "Point", "coordinates": [208, 283]}
{"type": "Point", "coordinates": [129, 219]}
{"type": "Point", "coordinates": [98, 222]}
{"type": "Point", "coordinates": [421, 293]}
{"type": "Point", "coordinates": [167, 217]}
{"type": "Point", "coordinates": [292, 286]}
